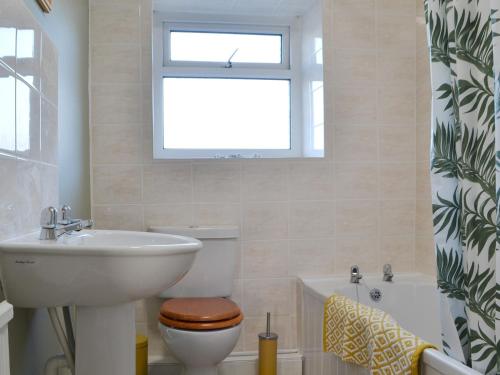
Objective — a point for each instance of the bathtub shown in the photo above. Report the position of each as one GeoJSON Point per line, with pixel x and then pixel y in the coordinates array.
{"type": "Point", "coordinates": [412, 299]}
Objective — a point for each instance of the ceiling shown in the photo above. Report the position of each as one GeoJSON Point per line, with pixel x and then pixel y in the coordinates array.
{"type": "Point", "coordinates": [277, 8]}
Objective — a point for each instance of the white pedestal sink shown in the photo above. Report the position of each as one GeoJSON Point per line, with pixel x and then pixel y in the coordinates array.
{"type": "Point", "coordinates": [102, 273]}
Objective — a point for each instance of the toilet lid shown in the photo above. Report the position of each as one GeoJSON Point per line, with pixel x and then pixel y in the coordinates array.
{"type": "Point", "coordinates": [200, 309]}
{"type": "Point", "coordinates": [199, 314]}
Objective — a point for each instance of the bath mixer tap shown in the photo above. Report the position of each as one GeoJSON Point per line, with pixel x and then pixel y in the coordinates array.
{"type": "Point", "coordinates": [52, 228]}
{"type": "Point", "coordinates": [388, 275]}
{"type": "Point", "coordinates": [355, 275]}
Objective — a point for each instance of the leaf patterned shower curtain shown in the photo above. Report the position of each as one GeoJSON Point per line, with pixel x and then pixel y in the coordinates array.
{"type": "Point", "coordinates": [465, 69]}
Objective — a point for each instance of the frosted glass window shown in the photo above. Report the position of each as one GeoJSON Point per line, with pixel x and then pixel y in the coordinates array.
{"type": "Point", "coordinates": [225, 113]}
{"type": "Point", "coordinates": [218, 47]}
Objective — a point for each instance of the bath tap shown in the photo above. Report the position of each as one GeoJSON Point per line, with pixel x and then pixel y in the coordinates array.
{"type": "Point", "coordinates": [52, 228]}
{"type": "Point", "coordinates": [355, 275]}
{"type": "Point", "coordinates": [388, 275]}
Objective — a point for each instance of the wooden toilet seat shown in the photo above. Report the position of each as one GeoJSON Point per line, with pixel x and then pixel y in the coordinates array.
{"type": "Point", "coordinates": [200, 314]}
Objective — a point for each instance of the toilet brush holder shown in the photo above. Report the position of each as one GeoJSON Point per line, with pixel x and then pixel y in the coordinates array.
{"type": "Point", "coordinates": [268, 350]}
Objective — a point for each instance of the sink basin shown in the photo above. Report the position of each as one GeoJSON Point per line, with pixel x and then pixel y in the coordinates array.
{"type": "Point", "coordinates": [102, 273]}
{"type": "Point", "coordinates": [92, 267]}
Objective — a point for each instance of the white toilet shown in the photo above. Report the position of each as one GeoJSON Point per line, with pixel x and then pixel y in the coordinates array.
{"type": "Point", "coordinates": [199, 323]}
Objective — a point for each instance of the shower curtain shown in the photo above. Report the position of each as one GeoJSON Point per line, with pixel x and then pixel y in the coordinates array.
{"type": "Point", "coordinates": [464, 44]}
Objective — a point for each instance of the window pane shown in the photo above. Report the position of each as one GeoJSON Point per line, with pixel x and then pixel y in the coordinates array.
{"type": "Point", "coordinates": [218, 113]}
{"type": "Point", "coordinates": [218, 47]}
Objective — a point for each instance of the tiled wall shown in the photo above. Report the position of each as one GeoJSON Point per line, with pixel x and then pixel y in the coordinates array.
{"type": "Point", "coordinates": [314, 217]}
{"type": "Point", "coordinates": [28, 158]}
{"type": "Point", "coordinates": [28, 121]}
{"type": "Point", "coordinates": [424, 241]}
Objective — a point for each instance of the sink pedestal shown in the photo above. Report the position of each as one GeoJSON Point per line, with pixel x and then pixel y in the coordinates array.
{"type": "Point", "coordinates": [105, 340]}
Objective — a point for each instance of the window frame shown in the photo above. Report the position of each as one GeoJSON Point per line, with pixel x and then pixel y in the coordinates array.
{"type": "Point", "coordinates": [288, 69]}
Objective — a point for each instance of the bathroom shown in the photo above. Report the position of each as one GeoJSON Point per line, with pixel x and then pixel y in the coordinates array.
{"type": "Point", "coordinates": [348, 178]}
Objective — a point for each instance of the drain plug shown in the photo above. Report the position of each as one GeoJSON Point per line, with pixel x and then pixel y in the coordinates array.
{"type": "Point", "coordinates": [376, 295]}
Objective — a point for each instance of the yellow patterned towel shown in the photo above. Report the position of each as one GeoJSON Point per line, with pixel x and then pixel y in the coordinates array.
{"type": "Point", "coordinates": [370, 338]}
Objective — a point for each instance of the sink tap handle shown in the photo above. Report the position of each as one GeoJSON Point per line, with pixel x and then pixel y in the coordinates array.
{"type": "Point", "coordinates": [48, 218]}
{"type": "Point", "coordinates": [66, 214]}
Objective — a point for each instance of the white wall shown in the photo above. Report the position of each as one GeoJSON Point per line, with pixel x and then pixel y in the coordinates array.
{"type": "Point", "coordinates": [68, 25]}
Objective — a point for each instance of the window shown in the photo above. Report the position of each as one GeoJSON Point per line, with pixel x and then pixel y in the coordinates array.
{"type": "Point", "coordinates": [230, 91]}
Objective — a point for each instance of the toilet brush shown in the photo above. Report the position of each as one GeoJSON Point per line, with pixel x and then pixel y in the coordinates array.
{"type": "Point", "coordinates": [268, 350]}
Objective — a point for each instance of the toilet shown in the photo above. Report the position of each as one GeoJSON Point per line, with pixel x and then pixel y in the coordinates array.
{"type": "Point", "coordinates": [198, 321]}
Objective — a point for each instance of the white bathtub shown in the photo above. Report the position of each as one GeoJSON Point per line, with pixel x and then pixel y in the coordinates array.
{"type": "Point", "coordinates": [412, 299]}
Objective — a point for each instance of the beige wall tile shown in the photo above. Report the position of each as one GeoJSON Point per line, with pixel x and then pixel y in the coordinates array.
{"type": "Point", "coordinates": [116, 104]}
{"type": "Point", "coordinates": [354, 106]}
{"type": "Point", "coordinates": [397, 181]}
{"type": "Point", "coordinates": [356, 180]}
{"type": "Point", "coordinates": [360, 250]}
{"type": "Point", "coordinates": [263, 259]}
{"type": "Point", "coordinates": [311, 219]}
{"type": "Point", "coordinates": [423, 106]}
{"type": "Point", "coordinates": [118, 217]}
{"type": "Point", "coordinates": [423, 180]}
{"type": "Point", "coordinates": [312, 258]}
{"type": "Point", "coordinates": [356, 217]}
{"type": "Point", "coordinates": [425, 257]}
{"type": "Point", "coordinates": [117, 184]}
{"type": "Point", "coordinates": [423, 142]}
{"type": "Point", "coordinates": [397, 144]}
{"type": "Point", "coordinates": [356, 143]}
{"type": "Point", "coordinates": [396, 67]}
{"type": "Point", "coordinates": [116, 144]}
{"type": "Point", "coordinates": [395, 32]}
{"type": "Point", "coordinates": [398, 216]}
{"type": "Point", "coordinates": [217, 182]}
{"type": "Point", "coordinates": [264, 181]}
{"type": "Point", "coordinates": [399, 252]}
{"type": "Point", "coordinates": [261, 296]}
{"type": "Point", "coordinates": [353, 67]}
{"type": "Point", "coordinates": [262, 221]}
{"type": "Point", "coordinates": [115, 63]}
{"type": "Point", "coordinates": [311, 181]}
{"type": "Point", "coordinates": [115, 23]}
{"type": "Point", "coordinates": [217, 214]}
{"type": "Point", "coordinates": [170, 183]}
{"type": "Point", "coordinates": [396, 7]}
{"type": "Point", "coordinates": [396, 106]}
{"type": "Point", "coordinates": [354, 24]}
{"type": "Point", "coordinates": [423, 218]}
{"type": "Point", "coordinates": [168, 215]}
